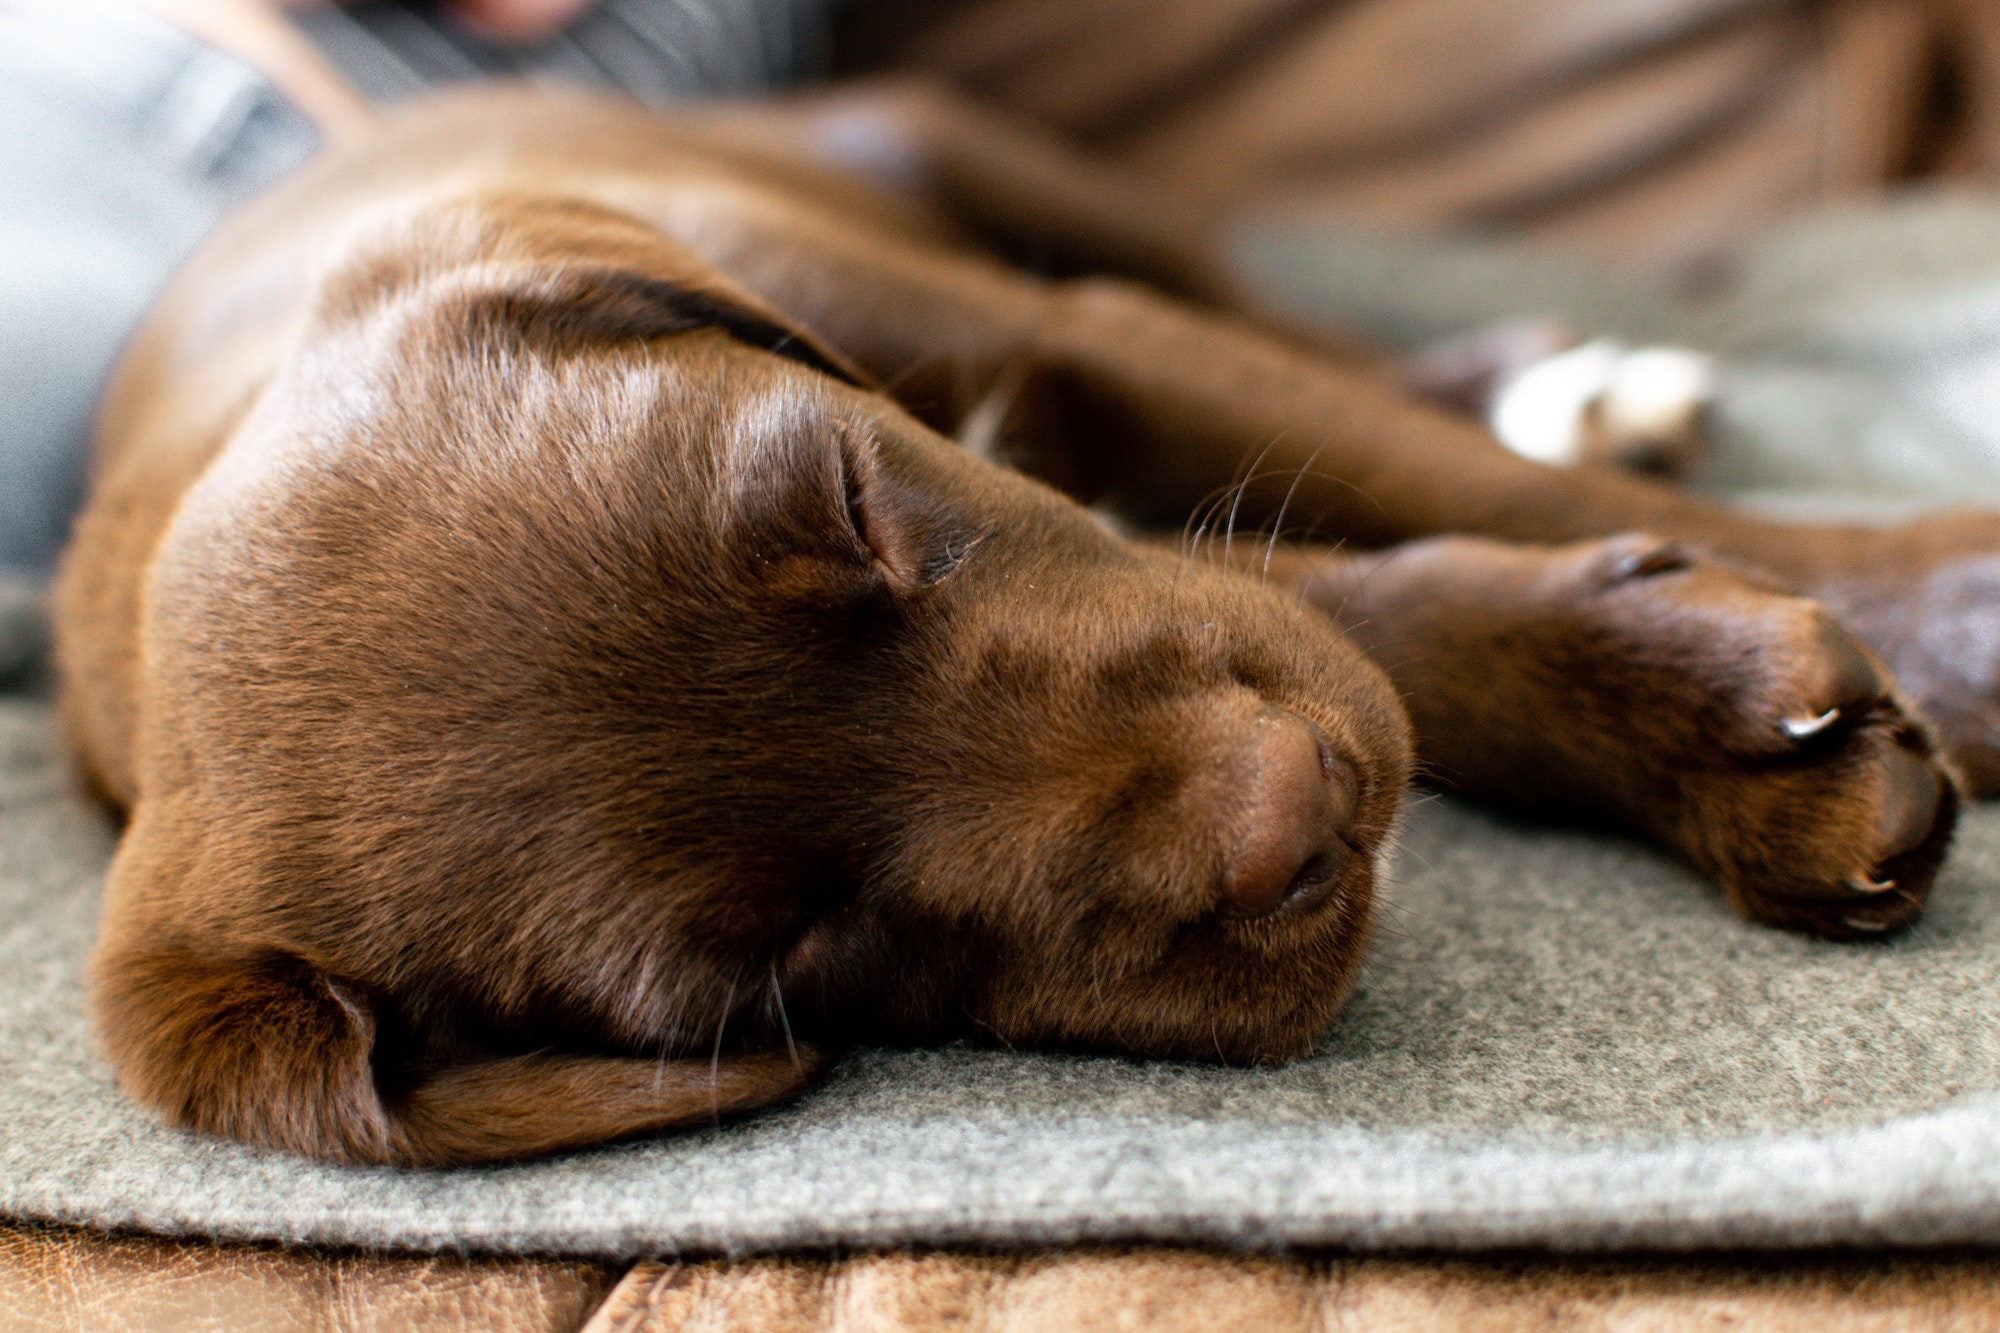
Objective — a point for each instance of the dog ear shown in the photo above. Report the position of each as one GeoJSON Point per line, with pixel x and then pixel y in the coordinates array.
{"type": "Point", "coordinates": [571, 273]}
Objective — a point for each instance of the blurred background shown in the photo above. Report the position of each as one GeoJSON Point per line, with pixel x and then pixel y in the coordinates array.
{"type": "Point", "coordinates": [1804, 189]}
{"type": "Point", "coordinates": [1652, 131]}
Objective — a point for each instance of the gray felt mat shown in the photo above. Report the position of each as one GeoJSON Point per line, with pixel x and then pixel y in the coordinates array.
{"type": "Point", "coordinates": [1562, 1040]}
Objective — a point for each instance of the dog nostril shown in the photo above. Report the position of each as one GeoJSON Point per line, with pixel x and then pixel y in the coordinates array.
{"type": "Point", "coordinates": [1292, 812]}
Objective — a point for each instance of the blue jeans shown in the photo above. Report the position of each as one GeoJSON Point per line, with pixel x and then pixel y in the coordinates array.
{"type": "Point", "coordinates": [122, 141]}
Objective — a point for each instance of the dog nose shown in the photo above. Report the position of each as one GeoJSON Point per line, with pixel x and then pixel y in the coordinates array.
{"type": "Point", "coordinates": [1292, 810]}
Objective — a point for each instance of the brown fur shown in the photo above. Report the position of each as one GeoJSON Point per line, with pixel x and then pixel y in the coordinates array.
{"type": "Point", "coordinates": [557, 694]}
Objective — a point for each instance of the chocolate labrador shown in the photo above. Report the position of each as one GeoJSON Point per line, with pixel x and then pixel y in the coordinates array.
{"type": "Point", "coordinates": [588, 612]}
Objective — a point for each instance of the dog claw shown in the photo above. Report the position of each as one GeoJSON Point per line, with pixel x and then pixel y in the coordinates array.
{"type": "Point", "coordinates": [1864, 884]}
{"type": "Point", "coordinates": [1863, 923]}
{"type": "Point", "coordinates": [1804, 728]}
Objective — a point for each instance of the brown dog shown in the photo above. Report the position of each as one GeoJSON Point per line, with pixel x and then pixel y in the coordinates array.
{"type": "Point", "coordinates": [556, 691]}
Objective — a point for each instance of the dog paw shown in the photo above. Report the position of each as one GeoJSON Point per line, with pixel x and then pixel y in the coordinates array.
{"type": "Point", "coordinates": [1550, 398]}
{"type": "Point", "coordinates": [1785, 761]}
{"type": "Point", "coordinates": [1630, 679]}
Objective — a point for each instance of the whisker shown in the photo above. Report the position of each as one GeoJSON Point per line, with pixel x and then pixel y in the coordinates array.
{"type": "Point", "coordinates": [1213, 508]}
{"type": "Point", "coordinates": [784, 1019]}
{"type": "Point", "coordinates": [1203, 508]}
{"type": "Point", "coordinates": [1227, 494]}
{"type": "Point", "coordinates": [1278, 525]}
{"type": "Point", "coordinates": [1392, 919]}
{"type": "Point", "coordinates": [1369, 573]}
{"type": "Point", "coordinates": [996, 1033]}
{"type": "Point", "coordinates": [715, 1060]}
{"type": "Point", "coordinates": [1229, 531]}
{"type": "Point", "coordinates": [1300, 594]}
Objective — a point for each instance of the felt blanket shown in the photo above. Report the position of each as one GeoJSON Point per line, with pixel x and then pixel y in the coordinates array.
{"type": "Point", "coordinates": [1561, 1039]}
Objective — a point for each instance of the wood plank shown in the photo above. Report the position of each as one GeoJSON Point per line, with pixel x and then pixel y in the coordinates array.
{"type": "Point", "coordinates": [55, 1278]}
{"type": "Point", "coordinates": [1173, 1290]}
{"type": "Point", "coordinates": [74, 1280]}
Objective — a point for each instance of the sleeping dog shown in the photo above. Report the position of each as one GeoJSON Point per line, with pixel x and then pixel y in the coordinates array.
{"type": "Point", "coordinates": [588, 613]}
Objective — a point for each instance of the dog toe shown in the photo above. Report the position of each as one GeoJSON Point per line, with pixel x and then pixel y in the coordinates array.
{"type": "Point", "coordinates": [1804, 783]}
{"type": "Point", "coordinates": [1911, 793]}
{"type": "Point", "coordinates": [1839, 677]}
{"type": "Point", "coordinates": [1882, 806]}
{"type": "Point", "coordinates": [1820, 679]}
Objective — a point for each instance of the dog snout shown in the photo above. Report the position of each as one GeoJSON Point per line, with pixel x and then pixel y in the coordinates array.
{"type": "Point", "coordinates": [1287, 832]}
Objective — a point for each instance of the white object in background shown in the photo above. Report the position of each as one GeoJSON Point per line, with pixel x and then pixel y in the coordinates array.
{"type": "Point", "coordinates": [1542, 412]}
{"type": "Point", "coordinates": [1604, 402]}
{"type": "Point", "coordinates": [1657, 393]}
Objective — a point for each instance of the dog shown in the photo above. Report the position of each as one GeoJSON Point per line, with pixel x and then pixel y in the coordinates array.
{"type": "Point", "coordinates": [588, 613]}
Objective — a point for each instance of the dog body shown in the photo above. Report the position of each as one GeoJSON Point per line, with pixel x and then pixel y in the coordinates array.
{"type": "Point", "coordinates": [562, 675]}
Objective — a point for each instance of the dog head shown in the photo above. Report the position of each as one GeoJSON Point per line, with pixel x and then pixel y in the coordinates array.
{"type": "Point", "coordinates": [616, 666]}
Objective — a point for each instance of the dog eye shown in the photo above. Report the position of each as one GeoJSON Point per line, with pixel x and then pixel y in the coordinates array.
{"type": "Point", "coordinates": [914, 537]}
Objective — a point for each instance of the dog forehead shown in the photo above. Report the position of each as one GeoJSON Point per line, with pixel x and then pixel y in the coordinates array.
{"type": "Point", "coordinates": [562, 270]}
{"type": "Point", "coordinates": [776, 423]}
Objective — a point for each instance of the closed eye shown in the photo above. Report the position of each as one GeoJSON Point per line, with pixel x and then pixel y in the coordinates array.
{"type": "Point", "coordinates": [916, 539]}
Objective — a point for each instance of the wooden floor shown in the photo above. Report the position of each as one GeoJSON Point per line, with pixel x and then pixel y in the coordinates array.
{"type": "Point", "coordinates": [75, 1280]}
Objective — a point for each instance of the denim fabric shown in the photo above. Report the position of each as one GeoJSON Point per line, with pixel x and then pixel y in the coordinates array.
{"type": "Point", "coordinates": [658, 51]}
{"type": "Point", "coordinates": [122, 141]}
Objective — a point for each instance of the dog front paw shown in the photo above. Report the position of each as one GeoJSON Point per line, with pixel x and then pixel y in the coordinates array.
{"type": "Point", "coordinates": [1635, 680]}
{"type": "Point", "coordinates": [1740, 725]}
{"type": "Point", "coordinates": [1835, 819]}
{"type": "Point", "coordinates": [1792, 769]}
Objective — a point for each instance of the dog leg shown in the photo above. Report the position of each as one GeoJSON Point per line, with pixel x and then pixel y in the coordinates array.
{"type": "Point", "coordinates": [1152, 408]}
{"type": "Point", "coordinates": [1630, 680]}
{"type": "Point", "coordinates": [1023, 193]}
{"type": "Point", "coordinates": [271, 1050]}
{"type": "Point", "coordinates": [1178, 406]}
